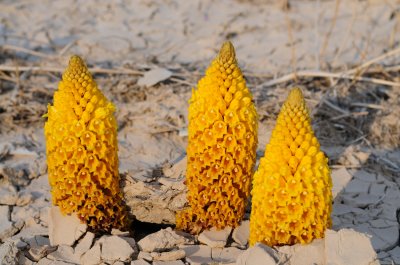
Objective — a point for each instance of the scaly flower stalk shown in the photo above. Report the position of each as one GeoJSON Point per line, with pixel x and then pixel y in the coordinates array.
{"type": "Point", "coordinates": [291, 195]}
{"type": "Point", "coordinates": [222, 147]}
{"type": "Point", "coordinates": [81, 147]}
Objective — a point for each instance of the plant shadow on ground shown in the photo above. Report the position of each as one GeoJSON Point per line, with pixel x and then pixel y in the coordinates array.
{"type": "Point", "coordinates": [358, 127]}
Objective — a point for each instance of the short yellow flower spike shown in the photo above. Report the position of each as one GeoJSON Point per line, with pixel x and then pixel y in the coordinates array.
{"type": "Point", "coordinates": [292, 197]}
{"type": "Point", "coordinates": [81, 147]}
{"type": "Point", "coordinates": [222, 147]}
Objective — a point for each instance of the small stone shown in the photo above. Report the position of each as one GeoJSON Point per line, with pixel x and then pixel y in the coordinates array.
{"type": "Point", "coordinates": [92, 256]}
{"type": "Point", "coordinates": [131, 241]}
{"type": "Point", "coordinates": [259, 254]}
{"type": "Point", "coordinates": [21, 245]}
{"type": "Point", "coordinates": [115, 248]}
{"type": "Point", "coordinates": [312, 253]}
{"type": "Point", "coordinates": [64, 253]}
{"type": "Point", "coordinates": [197, 254]}
{"type": "Point", "coordinates": [64, 230]}
{"type": "Point", "coordinates": [340, 178]}
{"type": "Point", "coordinates": [348, 247]}
{"type": "Point", "coordinates": [215, 238]}
{"type": "Point", "coordinates": [9, 231]}
{"type": "Point", "coordinates": [162, 240]}
{"type": "Point", "coordinates": [145, 255]}
{"type": "Point", "coordinates": [38, 252]}
{"type": "Point", "coordinates": [176, 262]}
{"type": "Point", "coordinates": [85, 243]}
{"type": "Point", "coordinates": [37, 241]}
{"type": "Point", "coordinates": [226, 255]}
{"type": "Point", "coordinates": [241, 233]}
{"type": "Point", "coordinates": [118, 263]}
{"type": "Point", "coordinates": [139, 262]}
{"type": "Point", "coordinates": [8, 253]}
{"type": "Point", "coordinates": [169, 256]}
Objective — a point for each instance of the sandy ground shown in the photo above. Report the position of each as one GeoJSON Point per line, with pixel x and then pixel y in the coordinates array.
{"type": "Point", "coordinates": [357, 122]}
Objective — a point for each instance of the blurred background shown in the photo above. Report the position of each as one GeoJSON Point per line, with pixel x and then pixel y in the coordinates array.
{"type": "Point", "coordinates": [271, 37]}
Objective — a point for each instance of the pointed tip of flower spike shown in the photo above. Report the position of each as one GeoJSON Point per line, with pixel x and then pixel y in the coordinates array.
{"type": "Point", "coordinates": [76, 61]}
{"type": "Point", "coordinates": [227, 52]}
{"type": "Point", "coordinates": [295, 97]}
{"type": "Point", "coordinates": [76, 68]}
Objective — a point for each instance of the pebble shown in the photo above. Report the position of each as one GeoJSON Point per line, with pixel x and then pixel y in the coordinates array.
{"type": "Point", "coordinates": [197, 254]}
{"type": "Point", "coordinates": [160, 241]}
{"type": "Point", "coordinates": [7, 230]}
{"type": "Point", "coordinates": [227, 255]}
{"type": "Point", "coordinates": [348, 247]}
{"type": "Point", "coordinates": [38, 252]}
{"type": "Point", "coordinates": [312, 253]}
{"type": "Point", "coordinates": [64, 230]}
{"type": "Point", "coordinates": [92, 256]}
{"type": "Point", "coordinates": [84, 244]}
{"type": "Point", "coordinates": [241, 233]}
{"type": "Point", "coordinates": [215, 238]}
{"type": "Point", "coordinates": [64, 253]}
{"type": "Point", "coordinates": [115, 248]}
{"type": "Point", "coordinates": [259, 254]}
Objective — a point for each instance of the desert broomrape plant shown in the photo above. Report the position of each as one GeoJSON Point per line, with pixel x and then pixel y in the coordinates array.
{"type": "Point", "coordinates": [291, 195]}
{"type": "Point", "coordinates": [81, 148]}
{"type": "Point", "coordinates": [221, 147]}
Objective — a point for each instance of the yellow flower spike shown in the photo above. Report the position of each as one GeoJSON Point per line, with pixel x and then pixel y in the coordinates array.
{"type": "Point", "coordinates": [221, 150]}
{"type": "Point", "coordinates": [291, 196]}
{"type": "Point", "coordinates": [83, 168]}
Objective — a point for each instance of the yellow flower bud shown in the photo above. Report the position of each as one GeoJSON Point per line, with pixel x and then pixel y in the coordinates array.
{"type": "Point", "coordinates": [291, 196]}
{"type": "Point", "coordinates": [81, 149]}
{"type": "Point", "coordinates": [221, 149]}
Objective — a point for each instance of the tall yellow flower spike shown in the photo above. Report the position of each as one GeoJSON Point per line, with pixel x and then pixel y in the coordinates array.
{"type": "Point", "coordinates": [221, 149]}
{"type": "Point", "coordinates": [81, 147]}
{"type": "Point", "coordinates": [292, 198]}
